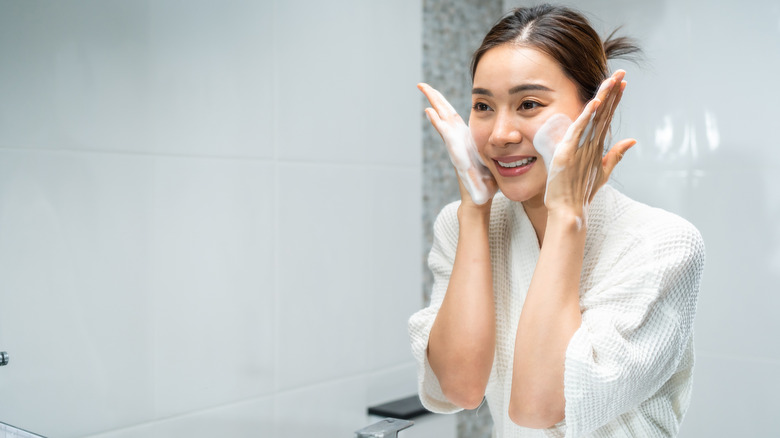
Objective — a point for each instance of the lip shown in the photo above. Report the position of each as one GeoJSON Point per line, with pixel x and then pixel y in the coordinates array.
{"type": "Point", "coordinates": [513, 171]}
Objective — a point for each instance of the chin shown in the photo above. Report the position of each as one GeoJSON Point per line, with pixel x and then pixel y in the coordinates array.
{"type": "Point", "coordinates": [523, 193]}
{"type": "Point", "coordinates": [523, 188]}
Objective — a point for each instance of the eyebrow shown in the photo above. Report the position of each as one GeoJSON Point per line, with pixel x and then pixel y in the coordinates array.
{"type": "Point", "coordinates": [513, 90]}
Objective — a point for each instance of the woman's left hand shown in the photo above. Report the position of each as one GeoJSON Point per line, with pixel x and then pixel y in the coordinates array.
{"type": "Point", "coordinates": [578, 168]}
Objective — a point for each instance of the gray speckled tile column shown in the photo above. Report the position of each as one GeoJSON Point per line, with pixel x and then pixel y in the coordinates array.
{"type": "Point", "coordinates": [452, 30]}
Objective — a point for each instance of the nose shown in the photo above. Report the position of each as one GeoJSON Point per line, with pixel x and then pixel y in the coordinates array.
{"type": "Point", "coordinates": [505, 131]}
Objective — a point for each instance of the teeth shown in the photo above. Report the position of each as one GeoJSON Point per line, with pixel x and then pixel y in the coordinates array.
{"type": "Point", "coordinates": [522, 162]}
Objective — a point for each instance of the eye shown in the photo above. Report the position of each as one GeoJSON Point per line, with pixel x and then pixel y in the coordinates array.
{"type": "Point", "coordinates": [480, 107]}
{"type": "Point", "coordinates": [529, 105]}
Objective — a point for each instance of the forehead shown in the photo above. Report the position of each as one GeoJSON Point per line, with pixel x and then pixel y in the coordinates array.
{"type": "Point", "coordinates": [508, 65]}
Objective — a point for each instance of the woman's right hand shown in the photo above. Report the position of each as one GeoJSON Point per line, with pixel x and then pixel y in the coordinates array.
{"type": "Point", "coordinates": [477, 185]}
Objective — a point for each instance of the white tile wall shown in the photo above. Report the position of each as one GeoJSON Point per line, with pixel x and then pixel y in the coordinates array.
{"type": "Point", "coordinates": [395, 296]}
{"type": "Point", "coordinates": [733, 396]}
{"type": "Point", "coordinates": [73, 286]}
{"type": "Point", "coordinates": [160, 77]}
{"type": "Point", "coordinates": [328, 409]}
{"type": "Point", "coordinates": [324, 280]}
{"type": "Point", "coordinates": [211, 285]}
{"type": "Point", "coordinates": [212, 62]}
{"type": "Point", "coordinates": [209, 215]}
{"type": "Point", "coordinates": [249, 419]}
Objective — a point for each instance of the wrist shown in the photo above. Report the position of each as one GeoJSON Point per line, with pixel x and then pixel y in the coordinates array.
{"type": "Point", "coordinates": [469, 213]}
{"type": "Point", "coordinates": [566, 220]}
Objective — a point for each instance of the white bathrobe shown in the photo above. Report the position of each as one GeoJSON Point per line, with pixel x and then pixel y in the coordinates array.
{"type": "Point", "coordinates": [628, 368]}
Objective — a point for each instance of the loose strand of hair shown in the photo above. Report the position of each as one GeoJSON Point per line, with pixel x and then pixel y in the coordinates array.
{"type": "Point", "coordinates": [622, 47]}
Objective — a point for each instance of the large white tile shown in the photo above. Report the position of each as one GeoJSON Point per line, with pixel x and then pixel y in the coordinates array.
{"type": "Point", "coordinates": [322, 83]}
{"type": "Point", "coordinates": [394, 63]}
{"type": "Point", "coordinates": [396, 265]}
{"type": "Point", "coordinates": [333, 409]}
{"type": "Point", "coordinates": [343, 97]}
{"type": "Point", "coordinates": [733, 397]}
{"type": "Point", "coordinates": [164, 76]}
{"type": "Point", "coordinates": [324, 258]}
{"type": "Point", "coordinates": [248, 419]}
{"type": "Point", "coordinates": [132, 287]}
{"type": "Point", "coordinates": [212, 279]}
{"type": "Point", "coordinates": [211, 77]}
{"type": "Point", "coordinates": [74, 287]}
{"type": "Point", "coordinates": [74, 75]}
{"type": "Point", "coordinates": [743, 56]}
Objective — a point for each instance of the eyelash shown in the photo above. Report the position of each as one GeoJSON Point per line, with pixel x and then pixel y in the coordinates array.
{"type": "Point", "coordinates": [481, 106]}
{"type": "Point", "coordinates": [534, 103]}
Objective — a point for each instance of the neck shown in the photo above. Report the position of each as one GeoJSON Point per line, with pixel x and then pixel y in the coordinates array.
{"type": "Point", "coordinates": [537, 214]}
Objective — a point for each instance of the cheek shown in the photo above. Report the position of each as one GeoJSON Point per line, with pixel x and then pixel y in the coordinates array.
{"type": "Point", "coordinates": [530, 130]}
{"type": "Point", "coordinates": [481, 133]}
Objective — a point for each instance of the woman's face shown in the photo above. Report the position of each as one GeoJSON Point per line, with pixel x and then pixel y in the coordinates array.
{"type": "Point", "coordinates": [516, 89]}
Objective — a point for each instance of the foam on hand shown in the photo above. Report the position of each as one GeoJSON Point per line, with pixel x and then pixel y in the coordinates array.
{"type": "Point", "coordinates": [464, 157]}
{"type": "Point", "coordinates": [546, 140]}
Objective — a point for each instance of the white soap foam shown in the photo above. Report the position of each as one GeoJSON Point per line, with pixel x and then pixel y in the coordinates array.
{"type": "Point", "coordinates": [553, 132]}
{"type": "Point", "coordinates": [546, 141]}
{"type": "Point", "coordinates": [549, 135]}
{"type": "Point", "coordinates": [462, 149]}
{"type": "Point", "coordinates": [471, 169]}
{"type": "Point", "coordinates": [466, 159]}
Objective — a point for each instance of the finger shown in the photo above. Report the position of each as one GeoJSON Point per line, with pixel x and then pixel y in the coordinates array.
{"type": "Point", "coordinates": [608, 91]}
{"type": "Point", "coordinates": [437, 100]}
{"type": "Point", "coordinates": [606, 87]}
{"type": "Point", "coordinates": [618, 97]}
{"type": "Point", "coordinates": [613, 99]}
{"type": "Point", "coordinates": [436, 121]}
{"type": "Point", "coordinates": [605, 95]}
{"type": "Point", "coordinates": [604, 118]}
{"type": "Point", "coordinates": [607, 110]}
{"type": "Point", "coordinates": [615, 155]}
{"type": "Point", "coordinates": [583, 121]}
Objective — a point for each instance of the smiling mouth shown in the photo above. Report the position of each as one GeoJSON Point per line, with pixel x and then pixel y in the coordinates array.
{"type": "Point", "coordinates": [519, 163]}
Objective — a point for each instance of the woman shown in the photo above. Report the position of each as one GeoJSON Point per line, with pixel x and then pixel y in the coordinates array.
{"type": "Point", "coordinates": [568, 306]}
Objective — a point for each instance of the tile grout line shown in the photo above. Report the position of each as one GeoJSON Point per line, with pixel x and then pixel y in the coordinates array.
{"type": "Point", "coordinates": [345, 378]}
{"type": "Point", "coordinates": [273, 160]}
{"type": "Point", "coordinates": [179, 416]}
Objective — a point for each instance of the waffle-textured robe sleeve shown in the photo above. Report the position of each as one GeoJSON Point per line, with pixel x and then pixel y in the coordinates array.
{"type": "Point", "coordinates": [440, 261]}
{"type": "Point", "coordinates": [637, 322]}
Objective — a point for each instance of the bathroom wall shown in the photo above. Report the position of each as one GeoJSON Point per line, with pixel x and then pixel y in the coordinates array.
{"type": "Point", "coordinates": [703, 106]}
{"type": "Point", "coordinates": [209, 215]}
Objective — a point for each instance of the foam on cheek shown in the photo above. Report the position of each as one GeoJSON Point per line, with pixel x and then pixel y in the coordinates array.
{"type": "Point", "coordinates": [546, 141]}
{"type": "Point", "coordinates": [549, 135]}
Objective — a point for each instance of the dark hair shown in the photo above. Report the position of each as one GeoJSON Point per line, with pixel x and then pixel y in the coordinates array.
{"type": "Point", "coordinates": [565, 35]}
